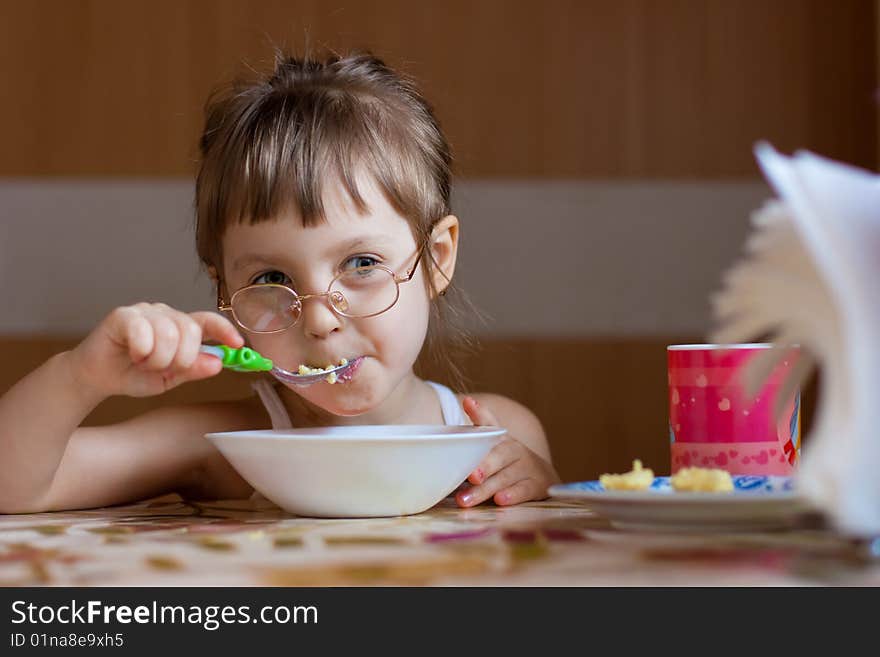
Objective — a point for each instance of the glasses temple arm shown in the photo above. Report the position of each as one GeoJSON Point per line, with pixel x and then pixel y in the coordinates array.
{"type": "Point", "coordinates": [412, 270]}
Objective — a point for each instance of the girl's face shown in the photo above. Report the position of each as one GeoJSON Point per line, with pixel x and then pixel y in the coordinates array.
{"type": "Point", "coordinates": [307, 259]}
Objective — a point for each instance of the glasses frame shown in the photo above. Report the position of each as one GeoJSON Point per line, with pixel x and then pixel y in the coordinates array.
{"type": "Point", "coordinates": [298, 298]}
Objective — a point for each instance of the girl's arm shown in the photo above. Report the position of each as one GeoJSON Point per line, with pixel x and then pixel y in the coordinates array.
{"type": "Point", "coordinates": [516, 418]}
{"type": "Point", "coordinates": [38, 415]}
{"type": "Point", "coordinates": [52, 465]}
{"type": "Point", "coordinates": [137, 350]}
{"type": "Point", "coordinates": [155, 453]}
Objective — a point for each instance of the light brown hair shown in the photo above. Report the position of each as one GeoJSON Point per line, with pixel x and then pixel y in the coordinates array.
{"type": "Point", "coordinates": [270, 144]}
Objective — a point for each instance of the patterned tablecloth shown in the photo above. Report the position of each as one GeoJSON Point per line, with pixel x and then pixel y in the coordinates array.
{"type": "Point", "coordinates": [169, 542]}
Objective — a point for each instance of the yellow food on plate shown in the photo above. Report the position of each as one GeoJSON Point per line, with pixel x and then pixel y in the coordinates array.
{"type": "Point", "coordinates": [703, 480]}
{"type": "Point", "coordinates": [636, 479]}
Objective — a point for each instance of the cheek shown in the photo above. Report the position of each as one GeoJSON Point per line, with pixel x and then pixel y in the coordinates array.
{"type": "Point", "coordinates": [400, 333]}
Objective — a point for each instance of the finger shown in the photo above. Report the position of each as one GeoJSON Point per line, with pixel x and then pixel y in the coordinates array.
{"type": "Point", "coordinates": [500, 456]}
{"type": "Point", "coordinates": [138, 336]}
{"type": "Point", "coordinates": [190, 364]}
{"type": "Point", "coordinates": [218, 329]}
{"type": "Point", "coordinates": [189, 343]}
{"type": "Point", "coordinates": [204, 367]}
{"type": "Point", "coordinates": [166, 337]}
{"type": "Point", "coordinates": [477, 477]}
{"type": "Point", "coordinates": [501, 480]}
{"type": "Point", "coordinates": [521, 491]}
{"type": "Point", "coordinates": [480, 415]}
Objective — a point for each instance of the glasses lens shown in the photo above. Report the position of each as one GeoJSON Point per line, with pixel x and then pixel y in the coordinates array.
{"type": "Point", "coordinates": [265, 308]}
{"type": "Point", "coordinates": [363, 291]}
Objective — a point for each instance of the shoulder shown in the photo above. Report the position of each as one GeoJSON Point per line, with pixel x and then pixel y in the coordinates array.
{"type": "Point", "coordinates": [507, 410]}
{"type": "Point", "coordinates": [521, 423]}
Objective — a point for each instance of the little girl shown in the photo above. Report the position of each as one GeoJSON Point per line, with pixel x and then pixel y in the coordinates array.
{"type": "Point", "coordinates": [323, 218]}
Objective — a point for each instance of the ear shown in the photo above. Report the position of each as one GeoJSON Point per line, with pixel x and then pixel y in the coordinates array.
{"type": "Point", "coordinates": [444, 251]}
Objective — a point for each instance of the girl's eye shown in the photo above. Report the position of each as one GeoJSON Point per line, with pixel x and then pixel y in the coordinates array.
{"type": "Point", "coordinates": [359, 261]}
{"type": "Point", "coordinates": [276, 277]}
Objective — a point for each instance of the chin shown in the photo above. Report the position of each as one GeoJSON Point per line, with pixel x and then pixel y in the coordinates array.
{"type": "Point", "coordinates": [344, 399]}
{"type": "Point", "coordinates": [345, 407]}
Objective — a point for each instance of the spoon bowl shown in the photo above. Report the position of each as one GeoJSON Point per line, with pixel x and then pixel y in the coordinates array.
{"type": "Point", "coordinates": [293, 378]}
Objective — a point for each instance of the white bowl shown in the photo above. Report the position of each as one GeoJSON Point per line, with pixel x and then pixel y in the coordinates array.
{"type": "Point", "coordinates": [357, 471]}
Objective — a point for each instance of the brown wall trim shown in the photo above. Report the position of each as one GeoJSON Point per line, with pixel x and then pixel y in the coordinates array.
{"type": "Point", "coordinates": [559, 88]}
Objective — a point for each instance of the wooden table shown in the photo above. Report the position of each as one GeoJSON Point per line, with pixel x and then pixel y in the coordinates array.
{"type": "Point", "coordinates": [169, 542]}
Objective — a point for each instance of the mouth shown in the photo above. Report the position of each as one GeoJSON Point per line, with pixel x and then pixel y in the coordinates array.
{"type": "Point", "coordinates": [307, 375]}
{"type": "Point", "coordinates": [309, 370]}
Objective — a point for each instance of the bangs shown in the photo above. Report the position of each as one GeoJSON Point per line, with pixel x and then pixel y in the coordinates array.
{"type": "Point", "coordinates": [277, 152]}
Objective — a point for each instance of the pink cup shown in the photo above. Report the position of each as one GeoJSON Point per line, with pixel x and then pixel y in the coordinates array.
{"type": "Point", "coordinates": [713, 423]}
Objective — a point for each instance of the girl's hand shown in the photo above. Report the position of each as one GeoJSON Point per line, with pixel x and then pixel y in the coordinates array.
{"type": "Point", "coordinates": [149, 348]}
{"type": "Point", "coordinates": [511, 473]}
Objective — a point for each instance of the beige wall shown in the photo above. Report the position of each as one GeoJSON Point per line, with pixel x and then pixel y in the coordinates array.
{"type": "Point", "coordinates": [573, 258]}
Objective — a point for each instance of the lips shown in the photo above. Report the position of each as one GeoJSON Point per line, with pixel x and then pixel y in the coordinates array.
{"type": "Point", "coordinates": [349, 371]}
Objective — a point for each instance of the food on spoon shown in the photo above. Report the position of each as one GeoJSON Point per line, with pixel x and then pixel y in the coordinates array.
{"type": "Point", "coordinates": [703, 480]}
{"type": "Point", "coordinates": [636, 479]}
{"type": "Point", "coordinates": [331, 377]}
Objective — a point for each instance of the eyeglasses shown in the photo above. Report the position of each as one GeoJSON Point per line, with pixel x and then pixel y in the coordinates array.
{"type": "Point", "coordinates": [360, 292]}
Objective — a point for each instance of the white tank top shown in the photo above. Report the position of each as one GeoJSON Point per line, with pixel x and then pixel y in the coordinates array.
{"type": "Point", "coordinates": [453, 414]}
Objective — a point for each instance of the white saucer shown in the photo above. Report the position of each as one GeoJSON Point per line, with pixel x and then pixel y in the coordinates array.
{"type": "Point", "coordinates": [757, 503]}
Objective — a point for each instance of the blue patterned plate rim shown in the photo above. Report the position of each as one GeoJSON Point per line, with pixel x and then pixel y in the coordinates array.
{"type": "Point", "coordinates": [743, 486]}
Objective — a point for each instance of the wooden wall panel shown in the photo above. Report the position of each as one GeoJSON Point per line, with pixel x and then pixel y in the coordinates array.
{"type": "Point", "coordinates": [559, 88]}
{"type": "Point", "coordinates": [602, 402]}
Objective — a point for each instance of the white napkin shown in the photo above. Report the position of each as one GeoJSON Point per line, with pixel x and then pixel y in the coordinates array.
{"type": "Point", "coordinates": [811, 276]}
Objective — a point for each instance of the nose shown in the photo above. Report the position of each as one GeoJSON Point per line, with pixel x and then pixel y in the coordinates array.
{"type": "Point", "coordinates": [318, 318]}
